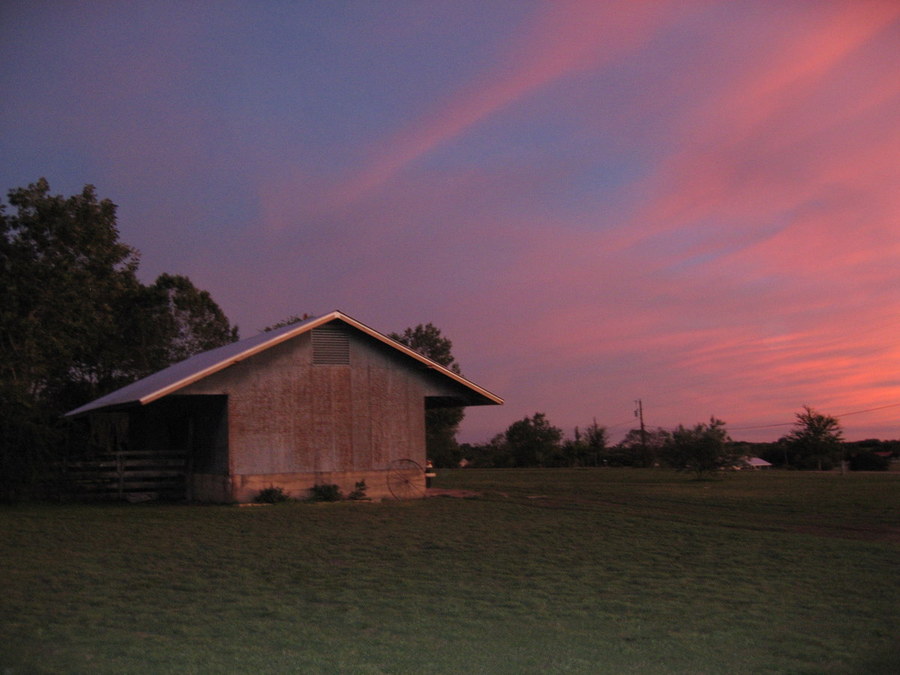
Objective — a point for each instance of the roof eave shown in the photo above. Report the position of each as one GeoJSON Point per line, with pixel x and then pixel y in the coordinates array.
{"type": "Point", "coordinates": [172, 387]}
{"type": "Point", "coordinates": [492, 399]}
{"type": "Point", "coordinates": [246, 354]}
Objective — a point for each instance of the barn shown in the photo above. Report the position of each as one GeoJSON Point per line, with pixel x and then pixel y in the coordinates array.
{"type": "Point", "coordinates": [327, 401]}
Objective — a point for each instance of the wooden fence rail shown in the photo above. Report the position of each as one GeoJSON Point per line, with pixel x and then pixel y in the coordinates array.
{"type": "Point", "coordinates": [129, 475]}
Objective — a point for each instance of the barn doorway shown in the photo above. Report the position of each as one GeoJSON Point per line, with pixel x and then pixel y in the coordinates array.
{"type": "Point", "coordinates": [192, 433]}
{"type": "Point", "coordinates": [154, 452]}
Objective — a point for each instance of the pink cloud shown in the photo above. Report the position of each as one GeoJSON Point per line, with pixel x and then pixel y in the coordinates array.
{"type": "Point", "coordinates": [799, 65]}
{"type": "Point", "coordinates": [737, 155]}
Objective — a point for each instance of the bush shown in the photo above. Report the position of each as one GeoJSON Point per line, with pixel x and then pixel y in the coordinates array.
{"type": "Point", "coordinates": [271, 495]}
{"type": "Point", "coordinates": [359, 491]}
{"type": "Point", "coordinates": [869, 461]}
{"type": "Point", "coordinates": [325, 493]}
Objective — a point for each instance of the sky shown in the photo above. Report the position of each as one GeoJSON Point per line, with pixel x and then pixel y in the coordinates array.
{"type": "Point", "coordinates": [691, 204]}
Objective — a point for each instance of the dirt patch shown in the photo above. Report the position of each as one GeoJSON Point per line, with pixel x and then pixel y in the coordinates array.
{"type": "Point", "coordinates": [458, 494]}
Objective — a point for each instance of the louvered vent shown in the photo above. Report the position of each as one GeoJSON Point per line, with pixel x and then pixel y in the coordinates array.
{"type": "Point", "coordinates": [331, 346]}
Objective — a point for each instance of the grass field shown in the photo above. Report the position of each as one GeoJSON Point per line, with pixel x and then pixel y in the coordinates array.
{"type": "Point", "coordinates": [581, 571]}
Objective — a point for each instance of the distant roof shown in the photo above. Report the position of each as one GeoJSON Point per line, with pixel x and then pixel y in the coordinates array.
{"type": "Point", "coordinates": [183, 373]}
{"type": "Point", "coordinates": [757, 461]}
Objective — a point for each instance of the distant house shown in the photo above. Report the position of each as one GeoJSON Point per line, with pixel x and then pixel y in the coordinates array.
{"type": "Point", "coordinates": [325, 401]}
{"type": "Point", "coordinates": [756, 463]}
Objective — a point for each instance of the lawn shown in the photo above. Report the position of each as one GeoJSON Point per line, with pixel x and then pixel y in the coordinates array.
{"type": "Point", "coordinates": [580, 571]}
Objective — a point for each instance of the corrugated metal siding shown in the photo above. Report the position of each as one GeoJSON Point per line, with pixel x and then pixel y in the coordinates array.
{"type": "Point", "coordinates": [288, 416]}
{"type": "Point", "coordinates": [329, 440]}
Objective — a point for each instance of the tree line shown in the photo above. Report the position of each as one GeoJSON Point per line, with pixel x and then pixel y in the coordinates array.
{"type": "Point", "coordinates": [815, 442]}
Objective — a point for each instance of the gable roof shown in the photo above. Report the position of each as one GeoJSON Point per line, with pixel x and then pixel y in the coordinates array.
{"type": "Point", "coordinates": [180, 375]}
{"type": "Point", "coordinates": [756, 461]}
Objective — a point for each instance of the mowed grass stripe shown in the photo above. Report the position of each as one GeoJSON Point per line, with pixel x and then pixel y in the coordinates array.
{"type": "Point", "coordinates": [546, 571]}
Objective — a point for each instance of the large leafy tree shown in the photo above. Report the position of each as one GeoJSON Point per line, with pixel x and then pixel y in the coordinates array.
{"type": "Point", "coordinates": [702, 448]}
{"type": "Point", "coordinates": [441, 424]}
{"type": "Point", "coordinates": [75, 321]}
{"type": "Point", "coordinates": [533, 441]}
{"type": "Point", "coordinates": [193, 321]}
{"type": "Point", "coordinates": [641, 447]}
{"type": "Point", "coordinates": [64, 274]}
{"type": "Point", "coordinates": [815, 442]}
{"type": "Point", "coordinates": [167, 322]}
{"type": "Point", "coordinates": [588, 448]}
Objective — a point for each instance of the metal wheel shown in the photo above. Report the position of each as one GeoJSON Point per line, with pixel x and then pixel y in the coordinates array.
{"type": "Point", "coordinates": [406, 479]}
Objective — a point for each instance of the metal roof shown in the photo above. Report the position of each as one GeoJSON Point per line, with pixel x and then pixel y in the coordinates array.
{"type": "Point", "coordinates": [756, 461]}
{"type": "Point", "coordinates": [183, 373]}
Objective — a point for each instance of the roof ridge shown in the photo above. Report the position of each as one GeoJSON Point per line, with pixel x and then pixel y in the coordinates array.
{"type": "Point", "coordinates": [199, 366]}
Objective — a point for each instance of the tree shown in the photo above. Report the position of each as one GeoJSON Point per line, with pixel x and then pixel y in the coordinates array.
{"type": "Point", "coordinates": [428, 341]}
{"type": "Point", "coordinates": [289, 321]}
{"type": "Point", "coordinates": [63, 273]}
{"type": "Point", "coordinates": [194, 323]}
{"type": "Point", "coordinates": [815, 442]}
{"type": "Point", "coordinates": [62, 270]}
{"type": "Point", "coordinates": [866, 460]}
{"type": "Point", "coordinates": [533, 441]}
{"type": "Point", "coordinates": [441, 424]}
{"type": "Point", "coordinates": [75, 322]}
{"type": "Point", "coordinates": [702, 448]}
{"type": "Point", "coordinates": [158, 325]}
{"type": "Point", "coordinates": [588, 448]}
{"type": "Point", "coordinates": [641, 447]}
{"type": "Point", "coordinates": [491, 455]}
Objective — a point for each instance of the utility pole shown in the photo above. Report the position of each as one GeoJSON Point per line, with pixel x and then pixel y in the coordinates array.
{"type": "Point", "coordinates": [639, 413]}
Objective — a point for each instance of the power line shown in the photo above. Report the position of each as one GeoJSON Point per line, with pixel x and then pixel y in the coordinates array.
{"type": "Point", "coordinates": [763, 426]}
{"type": "Point", "coordinates": [612, 427]}
{"type": "Point", "coordinates": [859, 412]}
{"type": "Point", "coordinates": [788, 424]}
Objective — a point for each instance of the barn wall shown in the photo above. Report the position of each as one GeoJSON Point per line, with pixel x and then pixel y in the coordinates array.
{"type": "Point", "coordinates": [294, 424]}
